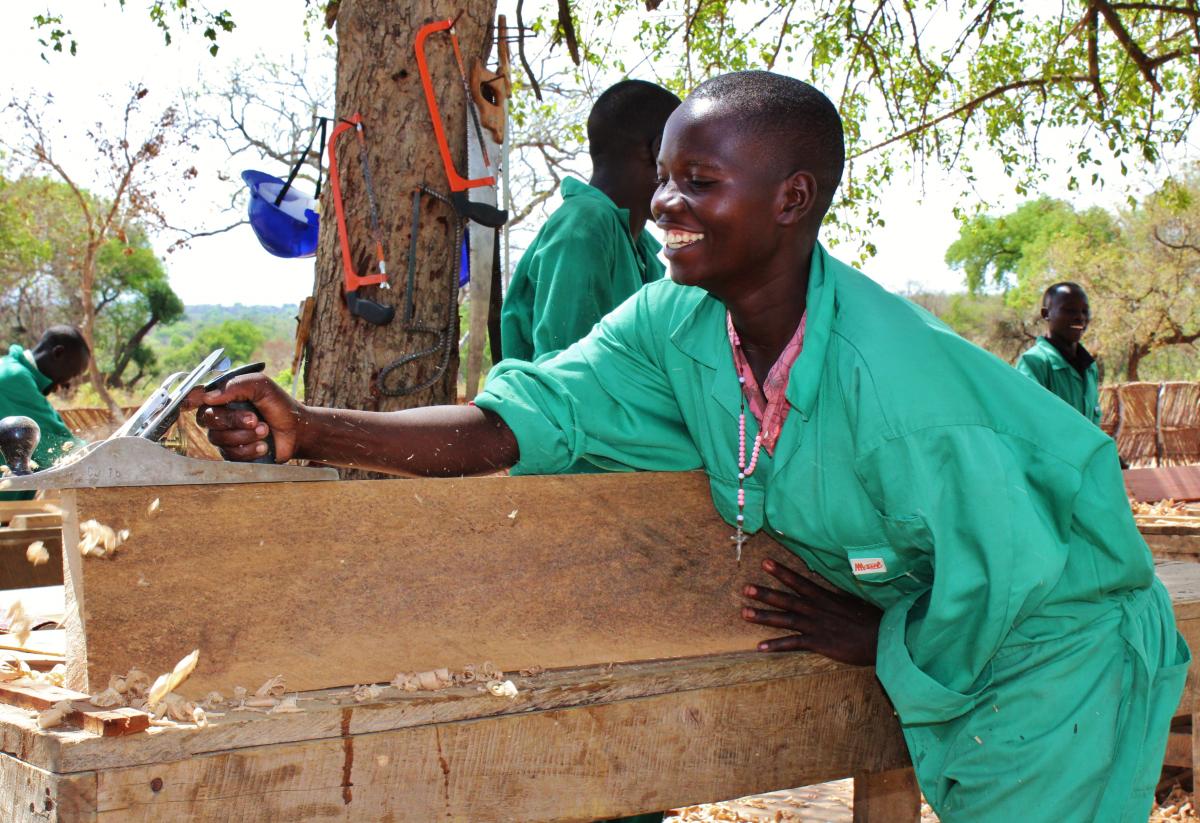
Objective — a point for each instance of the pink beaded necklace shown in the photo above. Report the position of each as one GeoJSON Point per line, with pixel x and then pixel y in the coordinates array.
{"type": "Point", "coordinates": [744, 471]}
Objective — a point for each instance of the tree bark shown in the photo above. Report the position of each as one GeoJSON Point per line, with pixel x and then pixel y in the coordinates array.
{"type": "Point", "coordinates": [377, 76]}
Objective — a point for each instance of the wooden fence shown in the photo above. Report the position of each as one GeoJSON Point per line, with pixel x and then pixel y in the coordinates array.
{"type": "Point", "coordinates": [1154, 424]}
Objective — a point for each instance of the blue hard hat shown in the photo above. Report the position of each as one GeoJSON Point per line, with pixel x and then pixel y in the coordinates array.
{"type": "Point", "coordinates": [286, 230]}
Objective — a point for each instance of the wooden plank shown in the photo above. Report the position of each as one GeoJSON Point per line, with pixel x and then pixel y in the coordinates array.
{"type": "Point", "coordinates": [1179, 750]}
{"type": "Point", "coordinates": [579, 764]}
{"type": "Point", "coordinates": [41, 520]}
{"type": "Point", "coordinates": [32, 795]}
{"type": "Point", "coordinates": [13, 508]}
{"type": "Point", "coordinates": [397, 575]}
{"type": "Point", "coordinates": [1180, 483]}
{"type": "Point", "coordinates": [887, 797]}
{"type": "Point", "coordinates": [16, 572]}
{"type": "Point", "coordinates": [104, 722]}
{"type": "Point", "coordinates": [323, 711]}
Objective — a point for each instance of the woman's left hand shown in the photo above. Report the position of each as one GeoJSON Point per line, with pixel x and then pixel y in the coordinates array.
{"type": "Point", "coordinates": [839, 626]}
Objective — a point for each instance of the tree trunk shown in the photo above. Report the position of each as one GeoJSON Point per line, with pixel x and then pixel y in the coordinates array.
{"type": "Point", "coordinates": [377, 76]}
{"type": "Point", "coordinates": [1136, 353]}
{"type": "Point", "coordinates": [87, 278]}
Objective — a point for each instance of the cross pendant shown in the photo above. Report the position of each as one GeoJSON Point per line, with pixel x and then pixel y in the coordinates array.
{"type": "Point", "coordinates": [740, 539]}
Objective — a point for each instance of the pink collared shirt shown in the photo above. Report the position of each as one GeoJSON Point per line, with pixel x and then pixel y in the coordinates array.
{"type": "Point", "coordinates": [769, 405]}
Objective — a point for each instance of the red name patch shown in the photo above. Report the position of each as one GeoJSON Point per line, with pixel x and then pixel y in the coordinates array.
{"type": "Point", "coordinates": [867, 565]}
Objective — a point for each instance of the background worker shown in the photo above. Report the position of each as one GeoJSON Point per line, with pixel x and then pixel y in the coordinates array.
{"type": "Point", "coordinates": [979, 530]}
{"type": "Point", "coordinates": [1058, 360]}
{"type": "Point", "coordinates": [28, 376]}
{"type": "Point", "coordinates": [592, 253]}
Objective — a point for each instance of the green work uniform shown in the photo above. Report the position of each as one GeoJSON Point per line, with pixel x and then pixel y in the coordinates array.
{"type": "Point", "coordinates": [21, 386]}
{"type": "Point", "coordinates": [1028, 648]}
{"type": "Point", "coordinates": [583, 263]}
{"type": "Point", "coordinates": [1080, 389]}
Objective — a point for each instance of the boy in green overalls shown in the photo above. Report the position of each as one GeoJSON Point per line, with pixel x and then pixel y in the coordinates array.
{"type": "Point", "coordinates": [593, 252]}
{"type": "Point", "coordinates": [27, 376]}
{"type": "Point", "coordinates": [978, 529]}
{"type": "Point", "coordinates": [1058, 360]}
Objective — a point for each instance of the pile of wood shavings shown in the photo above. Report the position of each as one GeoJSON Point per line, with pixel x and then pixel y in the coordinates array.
{"type": "Point", "coordinates": [1176, 808]}
{"type": "Point", "coordinates": [1160, 508]}
{"type": "Point", "coordinates": [99, 540]}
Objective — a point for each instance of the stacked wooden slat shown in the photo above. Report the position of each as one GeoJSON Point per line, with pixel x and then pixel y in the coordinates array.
{"type": "Point", "coordinates": [26, 522]}
{"type": "Point", "coordinates": [1137, 433]}
{"type": "Point", "coordinates": [1110, 410]}
{"type": "Point", "coordinates": [1179, 424]}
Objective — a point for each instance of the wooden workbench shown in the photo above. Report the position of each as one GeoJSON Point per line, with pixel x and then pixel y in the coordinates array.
{"type": "Point", "coordinates": [579, 742]}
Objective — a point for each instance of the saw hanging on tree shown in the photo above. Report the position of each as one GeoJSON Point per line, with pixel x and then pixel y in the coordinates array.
{"type": "Point", "coordinates": [478, 212]}
{"type": "Point", "coordinates": [360, 306]}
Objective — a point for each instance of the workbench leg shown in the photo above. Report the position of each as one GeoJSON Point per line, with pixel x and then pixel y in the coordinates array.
{"type": "Point", "coordinates": [1195, 748]}
{"type": "Point", "coordinates": [887, 797]}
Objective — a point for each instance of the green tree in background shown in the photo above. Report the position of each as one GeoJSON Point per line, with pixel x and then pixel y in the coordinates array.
{"type": "Point", "coordinates": [239, 338]}
{"type": "Point", "coordinates": [41, 237]}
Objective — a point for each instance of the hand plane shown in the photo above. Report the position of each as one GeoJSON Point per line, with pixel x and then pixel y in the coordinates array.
{"type": "Point", "coordinates": [132, 455]}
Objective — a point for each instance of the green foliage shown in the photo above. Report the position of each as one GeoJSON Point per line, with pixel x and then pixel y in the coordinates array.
{"type": "Point", "coordinates": [42, 240]}
{"type": "Point", "coordinates": [1010, 252]}
{"type": "Point", "coordinates": [239, 338]}
{"type": "Point", "coordinates": [54, 35]}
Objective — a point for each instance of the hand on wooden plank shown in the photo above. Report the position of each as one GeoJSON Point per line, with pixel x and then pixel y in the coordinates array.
{"type": "Point", "coordinates": [241, 434]}
{"type": "Point", "coordinates": [839, 626]}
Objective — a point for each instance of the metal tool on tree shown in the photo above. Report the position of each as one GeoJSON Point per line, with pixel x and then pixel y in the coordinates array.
{"type": "Point", "coordinates": [360, 306]}
{"type": "Point", "coordinates": [442, 336]}
{"type": "Point", "coordinates": [481, 213]}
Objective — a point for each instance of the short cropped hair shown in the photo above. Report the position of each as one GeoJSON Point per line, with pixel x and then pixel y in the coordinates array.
{"type": "Point", "coordinates": [69, 337]}
{"type": "Point", "coordinates": [800, 124]}
{"type": "Point", "coordinates": [1065, 286]}
{"type": "Point", "coordinates": [628, 115]}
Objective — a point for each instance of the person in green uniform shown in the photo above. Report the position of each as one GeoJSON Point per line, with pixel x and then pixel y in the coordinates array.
{"type": "Point", "coordinates": [593, 252]}
{"type": "Point", "coordinates": [27, 376]}
{"type": "Point", "coordinates": [977, 528]}
{"type": "Point", "coordinates": [1058, 360]}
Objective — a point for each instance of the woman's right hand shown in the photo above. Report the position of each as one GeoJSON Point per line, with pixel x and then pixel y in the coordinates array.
{"type": "Point", "coordinates": [240, 434]}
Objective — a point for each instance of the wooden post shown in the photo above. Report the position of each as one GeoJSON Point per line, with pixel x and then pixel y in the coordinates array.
{"type": "Point", "coordinates": [887, 797]}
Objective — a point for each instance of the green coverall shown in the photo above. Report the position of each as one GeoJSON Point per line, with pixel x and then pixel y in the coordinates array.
{"type": "Point", "coordinates": [21, 386]}
{"type": "Point", "coordinates": [583, 264]}
{"type": "Point", "coordinates": [1027, 646]}
{"type": "Point", "coordinates": [1046, 365]}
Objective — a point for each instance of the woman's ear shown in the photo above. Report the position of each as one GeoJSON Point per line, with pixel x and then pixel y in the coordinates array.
{"type": "Point", "coordinates": [799, 193]}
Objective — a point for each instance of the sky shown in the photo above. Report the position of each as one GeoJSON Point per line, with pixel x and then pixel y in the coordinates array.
{"type": "Point", "coordinates": [118, 49]}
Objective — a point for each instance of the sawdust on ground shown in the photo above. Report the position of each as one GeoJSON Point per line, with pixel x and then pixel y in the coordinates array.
{"type": "Point", "coordinates": [833, 803]}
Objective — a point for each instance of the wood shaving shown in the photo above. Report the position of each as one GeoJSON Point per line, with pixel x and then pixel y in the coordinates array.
{"type": "Point", "coordinates": [288, 705]}
{"type": "Point", "coordinates": [212, 700]}
{"type": "Point", "coordinates": [166, 683]}
{"type": "Point", "coordinates": [272, 688]}
{"type": "Point", "coordinates": [54, 715]}
{"type": "Point", "coordinates": [19, 624]}
{"type": "Point", "coordinates": [432, 680]}
{"type": "Point", "coordinates": [1159, 508]}
{"type": "Point", "coordinates": [99, 540]}
{"type": "Point", "coordinates": [502, 688]}
{"type": "Point", "coordinates": [153, 508]}
{"type": "Point", "coordinates": [532, 671]}
{"type": "Point", "coordinates": [364, 693]}
{"type": "Point", "coordinates": [259, 703]}
{"type": "Point", "coordinates": [199, 717]}
{"type": "Point", "coordinates": [107, 699]}
{"type": "Point", "coordinates": [37, 553]}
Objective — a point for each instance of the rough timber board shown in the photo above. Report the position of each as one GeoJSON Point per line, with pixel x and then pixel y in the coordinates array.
{"type": "Point", "coordinates": [572, 764]}
{"type": "Point", "coordinates": [350, 582]}
{"type": "Point", "coordinates": [32, 795]}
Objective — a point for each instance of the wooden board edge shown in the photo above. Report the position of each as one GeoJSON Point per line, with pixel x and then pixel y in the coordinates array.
{"type": "Point", "coordinates": [32, 795]}
{"type": "Point", "coordinates": [75, 605]}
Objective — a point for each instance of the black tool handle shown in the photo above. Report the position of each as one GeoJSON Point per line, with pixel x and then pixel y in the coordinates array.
{"type": "Point", "coordinates": [245, 405]}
